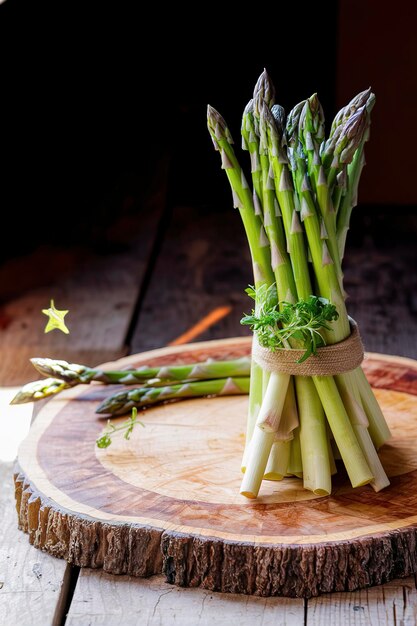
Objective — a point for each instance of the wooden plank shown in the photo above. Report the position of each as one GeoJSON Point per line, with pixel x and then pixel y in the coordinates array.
{"type": "Point", "coordinates": [204, 264]}
{"type": "Point", "coordinates": [388, 605]}
{"type": "Point", "coordinates": [100, 292]}
{"type": "Point", "coordinates": [32, 583]}
{"type": "Point", "coordinates": [381, 284]}
{"type": "Point", "coordinates": [103, 600]}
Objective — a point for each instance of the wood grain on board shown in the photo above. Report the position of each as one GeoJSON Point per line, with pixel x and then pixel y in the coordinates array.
{"type": "Point", "coordinates": [174, 486]}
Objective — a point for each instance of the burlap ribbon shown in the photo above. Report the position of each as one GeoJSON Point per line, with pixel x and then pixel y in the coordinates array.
{"type": "Point", "coordinates": [334, 359]}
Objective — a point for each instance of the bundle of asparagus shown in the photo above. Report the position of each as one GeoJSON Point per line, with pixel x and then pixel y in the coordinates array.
{"type": "Point", "coordinates": [296, 218]}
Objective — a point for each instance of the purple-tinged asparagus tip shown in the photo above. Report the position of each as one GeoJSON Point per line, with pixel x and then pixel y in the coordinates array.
{"type": "Point", "coordinates": [264, 90]}
{"type": "Point", "coordinates": [217, 125]}
{"type": "Point", "coordinates": [248, 108]}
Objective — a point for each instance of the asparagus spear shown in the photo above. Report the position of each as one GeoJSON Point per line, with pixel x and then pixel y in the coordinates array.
{"type": "Point", "coordinates": [354, 170]}
{"type": "Point", "coordinates": [250, 142]}
{"type": "Point", "coordinates": [350, 129]}
{"type": "Point", "coordinates": [242, 198]}
{"type": "Point", "coordinates": [41, 389]}
{"type": "Point", "coordinates": [255, 232]}
{"type": "Point", "coordinates": [311, 134]}
{"type": "Point", "coordinates": [76, 374]}
{"type": "Point", "coordinates": [311, 117]}
{"type": "Point", "coordinates": [123, 401]}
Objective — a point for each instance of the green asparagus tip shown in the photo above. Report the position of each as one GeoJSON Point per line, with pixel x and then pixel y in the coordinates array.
{"type": "Point", "coordinates": [352, 134]}
{"type": "Point", "coordinates": [364, 98]}
{"type": "Point", "coordinates": [42, 364]}
{"type": "Point", "coordinates": [314, 103]}
{"type": "Point", "coordinates": [71, 373]}
{"type": "Point", "coordinates": [38, 390]}
{"type": "Point", "coordinates": [291, 129]}
{"type": "Point", "coordinates": [217, 125]}
{"type": "Point", "coordinates": [314, 117]}
{"type": "Point", "coordinates": [265, 114]}
{"type": "Point", "coordinates": [358, 101]}
{"type": "Point", "coordinates": [248, 107]}
{"type": "Point", "coordinates": [370, 102]}
{"type": "Point", "coordinates": [355, 123]}
{"type": "Point", "coordinates": [114, 404]}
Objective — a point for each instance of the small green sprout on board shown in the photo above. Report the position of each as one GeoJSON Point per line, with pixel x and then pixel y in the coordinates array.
{"type": "Point", "coordinates": [105, 440]}
{"type": "Point", "coordinates": [56, 319]}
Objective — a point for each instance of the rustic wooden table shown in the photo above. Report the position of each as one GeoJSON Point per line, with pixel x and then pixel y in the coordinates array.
{"type": "Point", "coordinates": [172, 283]}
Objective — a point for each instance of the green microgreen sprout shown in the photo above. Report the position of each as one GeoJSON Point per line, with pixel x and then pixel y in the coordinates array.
{"type": "Point", "coordinates": [106, 439]}
{"type": "Point", "coordinates": [276, 324]}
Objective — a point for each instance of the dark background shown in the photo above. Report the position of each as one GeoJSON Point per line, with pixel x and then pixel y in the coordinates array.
{"type": "Point", "coordinates": [91, 104]}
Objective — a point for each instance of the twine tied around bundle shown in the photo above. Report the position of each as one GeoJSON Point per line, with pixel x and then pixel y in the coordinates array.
{"type": "Point", "coordinates": [344, 356]}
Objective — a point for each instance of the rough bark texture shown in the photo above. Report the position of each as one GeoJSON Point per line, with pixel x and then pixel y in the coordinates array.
{"type": "Point", "coordinates": [210, 563]}
{"type": "Point", "coordinates": [293, 571]}
{"type": "Point", "coordinates": [117, 548]}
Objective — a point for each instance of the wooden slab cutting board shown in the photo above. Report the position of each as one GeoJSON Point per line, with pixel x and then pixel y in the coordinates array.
{"type": "Point", "coordinates": [167, 499]}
